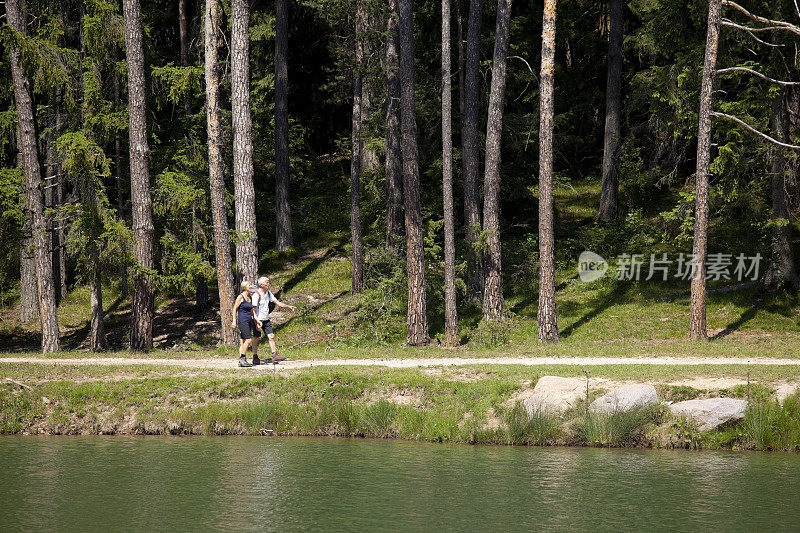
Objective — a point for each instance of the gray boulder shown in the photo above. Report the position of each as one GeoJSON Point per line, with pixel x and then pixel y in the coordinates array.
{"type": "Point", "coordinates": [625, 399]}
{"type": "Point", "coordinates": [712, 412]}
{"type": "Point", "coordinates": [555, 395]}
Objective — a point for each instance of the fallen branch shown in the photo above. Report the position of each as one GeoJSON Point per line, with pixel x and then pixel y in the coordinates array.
{"type": "Point", "coordinates": [19, 384]}
{"type": "Point", "coordinates": [731, 24]}
{"type": "Point", "coordinates": [752, 129]}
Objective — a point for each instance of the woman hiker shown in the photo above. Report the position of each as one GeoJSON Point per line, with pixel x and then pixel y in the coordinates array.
{"type": "Point", "coordinates": [244, 317]}
{"type": "Point", "coordinates": [261, 301]}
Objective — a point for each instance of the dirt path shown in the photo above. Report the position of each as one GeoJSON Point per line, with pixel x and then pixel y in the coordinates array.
{"type": "Point", "coordinates": [230, 362]}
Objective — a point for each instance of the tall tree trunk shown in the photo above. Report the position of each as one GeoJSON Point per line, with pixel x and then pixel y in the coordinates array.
{"type": "Point", "coordinates": [244, 193]}
{"type": "Point", "coordinates": [395, 219]}
{"type": "Point", "coordinates": [183, 31]}
{"type": "Point", "coordinates": [51, 198]}
{"type": "Point", "coordinates": [610, 184]}
{"type": "Point", "coordinates": [470, 147]}
{"type": "Point", "coordinates": [97, 335]}
{"type": "Point", "coordinates": [417, 320]}
{"type": "Point", "coordinates": [697, 316]}
{"type": "Point", "coordinates": [461, 59]}
{"type": "Point", "coordinates": [201, 284]}
{"type": "Point", "coordinates": [493, 288]}
{"type": "Point", "coordinates": [782, 270]}
{"type": "Point", "coordinates": [33, 185]}
{"type": "Point", "coordinates": [355, 158]}
{"type": "Point", "coordinates": [450, 312]}
{"type": "Point", "coordinates": [284, 219]}
{"type": "Point", "coordinates": [369, 157]}
{"type": "Point", "coordinates": [546, 318]}
{"type": "Point", "coordinates": [118, 180]}
{"type": "Point", "coordinates": [28, 291]}
{"type": "Point", "coordinates": [141, 203]}
{"type": "Point", "coordinates": [222, 245]}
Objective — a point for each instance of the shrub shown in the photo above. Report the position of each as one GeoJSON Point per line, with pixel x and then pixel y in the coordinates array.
{"type": "Point", "coordinates": [378, 418]}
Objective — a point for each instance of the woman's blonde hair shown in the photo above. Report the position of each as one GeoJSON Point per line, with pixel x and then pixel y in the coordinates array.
{"type": "Point", "coordinates": [245, 286]}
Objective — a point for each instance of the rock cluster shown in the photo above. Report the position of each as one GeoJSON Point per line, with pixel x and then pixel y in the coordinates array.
{"type": "Point", "coordinates": [555, 395]}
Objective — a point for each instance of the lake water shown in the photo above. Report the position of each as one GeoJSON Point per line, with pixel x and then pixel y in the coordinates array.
{"type": "Point", "coordinates": [291, 484]}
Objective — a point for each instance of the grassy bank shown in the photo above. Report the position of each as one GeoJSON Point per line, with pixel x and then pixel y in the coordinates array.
{"type": "Point", "coordinates": [464, 405]}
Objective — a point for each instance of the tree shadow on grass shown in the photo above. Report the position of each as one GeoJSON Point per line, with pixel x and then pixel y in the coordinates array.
{"type": "Point", "coordinates": [308, 269]}
{"type": "Point", "coordinates": [534, 298]}
{"type": "Point", "coordinates": [282, 325]}
{"type": "Point", "coordinates": [602, 304]}
{"type": "Point", "coordinates": [745, 317]}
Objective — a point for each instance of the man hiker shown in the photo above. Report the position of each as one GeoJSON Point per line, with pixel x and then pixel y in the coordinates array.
{"type": "Point", "coordinates": [262, 299]}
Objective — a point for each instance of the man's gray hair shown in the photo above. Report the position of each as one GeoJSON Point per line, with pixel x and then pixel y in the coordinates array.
{"type": "Point", "coordinates": [262, 280]}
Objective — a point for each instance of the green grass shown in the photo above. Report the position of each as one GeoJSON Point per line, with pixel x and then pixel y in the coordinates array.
{"type": "Point", "coordinates": [467, 404]}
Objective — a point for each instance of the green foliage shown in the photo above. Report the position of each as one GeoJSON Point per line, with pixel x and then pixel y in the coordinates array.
{"type": "Point", "coordinates": [772, 426]}
{"type": "Point", "coordinates": [539, 429]}
{"type": "Point", "coordinates": [493, 333]}
{"type": "Point", "coordinates": [619, 428]}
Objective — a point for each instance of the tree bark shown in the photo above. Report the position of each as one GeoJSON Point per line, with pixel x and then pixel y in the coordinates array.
{"type": "Point", "coordinates": [183, 31]}
{"type": "Point", "coordinates": [610, 182]}
{"type": "Point", "coordinates": [493, 285]}
{"type": "Point", "coordinates": [222, 246]}
{"type": "Point", "coordinates": [33, 185]}
{"type": "Point", "coordinates": [470, 148]}
{"type": "Point", "coordinates": [697, 316]}
{"type": "Point", "coordinates": [369, 158]}
{"type": "Point", "coordinates": [782, 271]}
{"type": "Point", "coordinates": [450, 312]}
{"type": "Point", "coordinates": [28, 292]}
{"type": "Point", "coordinates": [51, 198]}
{"type": "Point", "coordinates": [355, 157]}
{"type": "Point", "coordinates": [395, 219]}
{"type": "Point", "coordinates": [546, 317]}
{"type": "Point", "coordinates": [244, 192]}
{"type": "Point", "coordinates": [141, 203]}
{"type": "Point", "coordinates": [283, 212]}
{"type": "Point", "coordinates": [416, 320]}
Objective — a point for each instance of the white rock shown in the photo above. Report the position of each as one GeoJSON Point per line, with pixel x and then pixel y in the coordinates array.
{"type": "Point", "coordinates": [712, 412]}
{"type": "Point", "coordinates": [625, 399]}
{"type": "Point", "coordinates": [555, 394]}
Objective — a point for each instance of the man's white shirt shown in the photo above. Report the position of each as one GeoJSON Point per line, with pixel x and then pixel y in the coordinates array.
{"type": "Point", "coordinates": [261, 304]}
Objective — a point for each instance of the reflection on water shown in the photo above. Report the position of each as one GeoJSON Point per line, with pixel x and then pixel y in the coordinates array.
{"type": "Point", "coordinates": [330, 484]}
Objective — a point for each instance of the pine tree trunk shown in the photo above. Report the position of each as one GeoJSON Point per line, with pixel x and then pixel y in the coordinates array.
{"type": "Point", "coordinates": [610, 182]}
{"type": "Point", "coordinates": [369, 158]}
{"type": "Point", "coordinates": [782, 271]}
{"type": "Point", "coordinates": [244, 192]}
{"type": "Point", "coordinates": [33, 186]}
{"type": "Point", "coordinates": [97, 334]}
{"type": "Point", "coordinates": [141, 203]}
{"type": "Point", "coordinates": [395, 219]}
{"type": "Point", "coordinates": [355, 158]}
{"type": "Point", "coordinates": [546, 318]}
{"type": "Point", "coordinates": [284, 219]}
{"type": "Point", "coordinates": [450, 312]}
{"type": "Point", "coordinates": [697, 316]}
{"type": "Point", "coordinates": [51, 199]}
{"type": "Point", "coordinates": [118, 167]}
{"type": "Point", "coordinates": [461, 60]}
{"type": "Point", "coordinates": [493, 286]}
{"type": "Point", "coordinates": [417, 320]}
{"type": "Point", "coordinates": [470, 148]}
{"type": "Point", "coordinates": [222, 246]}
{"type": "Point", "coordinates": [28, 291]}
{"type": "Point", "coordinates": [183, 31]}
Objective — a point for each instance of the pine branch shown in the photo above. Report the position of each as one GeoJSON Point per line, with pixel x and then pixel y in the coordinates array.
{"type": "Point", "coordinates": [763, 20]}
{"type": "Point", "coordinates": [756, 73]}
{"type": "Point", "coordinates": [752, 129]}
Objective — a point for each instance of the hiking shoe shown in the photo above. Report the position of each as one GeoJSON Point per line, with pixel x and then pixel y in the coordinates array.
{"type": "Point", "coordinates": [243, 362]}
{"type": "Point", "coordinates": [256, 361]}
{"type": "Point", "coordinates": [277, 358]}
